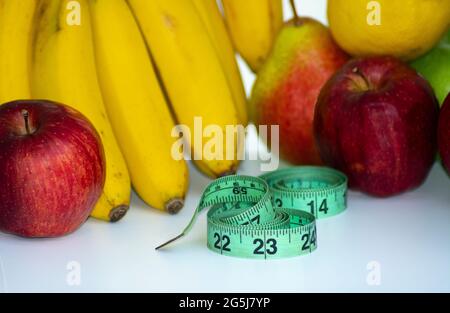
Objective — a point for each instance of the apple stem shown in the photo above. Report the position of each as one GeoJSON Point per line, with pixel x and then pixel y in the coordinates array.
{"type": "Point", "coordinates": [25, 115]}
{"type": "Point", "coordinates": [294, 10]}
{"type": "Point", "coordinates": [357, 71]}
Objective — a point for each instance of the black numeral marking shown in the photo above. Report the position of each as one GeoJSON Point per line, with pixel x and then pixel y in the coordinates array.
{"type": "Point", "coordinates": [240, 190]}
{"type": "Point", "coordinates": [311, 205]}
{"type": "Point", "coordinates": [253, 221]}
{"type": "Point", "coordinates": [270, 249]}
{"type": "Point", "coordinates": [259, 248]}
{"type": "Point", "coordinates": [309, 239]}
{"type": "Point", "coordinates": [305, 239]}
{"type": "Point", "coordinates": [272, 243]}
{"type": "Point", "coordinates": [222, 243]}
{"type": "Point", "coordinates": [279, 203]}
{"type": "Point", "coordinates": [322, 208]}
{"type": "Point", "coordinates": [313, 238]}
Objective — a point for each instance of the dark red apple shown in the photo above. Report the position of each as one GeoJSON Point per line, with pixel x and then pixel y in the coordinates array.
{"type": "Point", "coordinates": [52, 168]}
{"type": "Point", "coordinates": [444, 134]}
{"type": "Point", "coordinates": [376, 120]}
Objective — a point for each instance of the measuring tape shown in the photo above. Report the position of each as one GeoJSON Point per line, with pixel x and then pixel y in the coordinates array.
{"type": "Point", "coordinates": [271, 216]}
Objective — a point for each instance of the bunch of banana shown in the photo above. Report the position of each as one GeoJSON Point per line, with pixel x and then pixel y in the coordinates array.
{"type": "Point", "coordinates": [64, 70]}
{"type": "Point", "coordinates": [195, 72]}
{"type": "Point", "coordinates": [136, 106]}
{"type": "Point", "coordinates": [253, 25]}
{"type": "Point", "coordinates": [16, 38]}
{"type": "Point", "coordinates": [127, 65]}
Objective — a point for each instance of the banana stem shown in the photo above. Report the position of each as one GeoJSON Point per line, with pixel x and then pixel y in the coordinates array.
{"type": "Point", "coordinates": [294, 10]}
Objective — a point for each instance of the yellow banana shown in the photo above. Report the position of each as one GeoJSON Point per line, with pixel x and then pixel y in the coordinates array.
{"type": "Point", "coordinates": [253, 25]}
{"type": "Point", "coordinates": [192, 74]}
{"type": "Point", "coordinates": [211, 16]}
{"type": "Point", "coordinates": [64, 71]}
{"type": "Point", "coordinates": [136, 106]}
{"type": "Point", "coordinates": [16, 37]}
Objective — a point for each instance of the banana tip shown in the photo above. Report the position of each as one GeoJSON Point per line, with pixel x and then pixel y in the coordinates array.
{"type": "Point", "coordinates": [118, 213]}
{"type": "Point", "coordinates": [174, 206]}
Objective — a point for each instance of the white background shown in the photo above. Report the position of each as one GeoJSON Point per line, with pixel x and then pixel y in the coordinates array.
{"type": "Point", "coordinates": [408, 236]}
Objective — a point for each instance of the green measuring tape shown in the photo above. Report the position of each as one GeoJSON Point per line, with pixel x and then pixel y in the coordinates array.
{"type": "Point", "coordinates": [271, 216]}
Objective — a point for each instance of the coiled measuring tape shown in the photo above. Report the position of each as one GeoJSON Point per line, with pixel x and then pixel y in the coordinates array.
{"type": "Point", "coordinates": [271, 216]}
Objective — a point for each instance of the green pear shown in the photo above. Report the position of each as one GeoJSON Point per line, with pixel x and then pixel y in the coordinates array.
{"type": "Point", "coordinates": [435, 67]}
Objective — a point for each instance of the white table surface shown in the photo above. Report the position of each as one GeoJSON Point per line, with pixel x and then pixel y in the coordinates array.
{"type": "Point", "coordinates": [407, 238]}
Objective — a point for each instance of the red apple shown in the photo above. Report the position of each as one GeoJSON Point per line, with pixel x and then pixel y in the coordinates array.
{"type": "Point", "coordinates": [52, 168]}
{"type": "Point", "coordinates": [376, 120]}
{"type": "Point", "coordinates": [444, 134]}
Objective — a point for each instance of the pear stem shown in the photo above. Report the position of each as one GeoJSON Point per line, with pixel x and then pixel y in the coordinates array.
{"type": "Point", "coordinates": [294, 10]}
{"type": "Point", "coordinates": [25, 115]}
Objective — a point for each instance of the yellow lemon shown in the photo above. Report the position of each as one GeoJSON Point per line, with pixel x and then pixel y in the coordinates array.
{"type": "Point", "coordinates": [403, 28]}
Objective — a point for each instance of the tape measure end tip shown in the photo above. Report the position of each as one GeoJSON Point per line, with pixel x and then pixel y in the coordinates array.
{"type": "Point", "coordinates": [168, 242]}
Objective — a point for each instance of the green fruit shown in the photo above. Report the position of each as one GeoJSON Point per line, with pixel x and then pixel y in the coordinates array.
{"type": "Point", "coordinates": [435, 67]}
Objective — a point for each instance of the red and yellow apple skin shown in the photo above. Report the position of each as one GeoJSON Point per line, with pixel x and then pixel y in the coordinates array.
{"type": "Point", "coordinates": [286, 89]}
{"type": "Point", "coordinates": [52, 171]}
{"type": "Point", "coordinates": [376, 120]}
{"type": "Point", "coordinates": [444, 134]}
